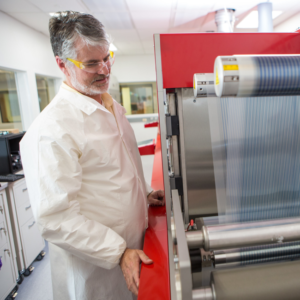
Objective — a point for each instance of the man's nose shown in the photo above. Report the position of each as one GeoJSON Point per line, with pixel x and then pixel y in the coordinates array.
{"type": "Point", "coordinates": [103, 69]}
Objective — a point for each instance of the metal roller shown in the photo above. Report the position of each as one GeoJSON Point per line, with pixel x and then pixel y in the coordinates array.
{"type": "Point", "coordinates": [204, 85]}
{"type": "Point", "coordinates": [256, 76]}
{"type": "Point", "coordinates": [265, 282]}
{"type": "Point", "coordinates": [247, 234]}
{"type": "Point", "coordinates": [268, 282]}
{"type": "Point", "coordinates": [258, 254]}
{"type": "Point", "coordinates": [200, 222]}
{"type": "Point", "coordinates": [203, 294]}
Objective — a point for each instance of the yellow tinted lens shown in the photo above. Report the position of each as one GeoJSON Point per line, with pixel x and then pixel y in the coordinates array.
{"type": "Point", "coordinates": [111, 54]}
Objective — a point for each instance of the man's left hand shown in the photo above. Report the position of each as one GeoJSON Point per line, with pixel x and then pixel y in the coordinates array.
{"type": "Point", "coordinates": [156, 198]}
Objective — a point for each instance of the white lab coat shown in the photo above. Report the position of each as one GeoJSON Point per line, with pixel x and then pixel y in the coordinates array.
{"type": "Point", "coordinates": [87, 192]}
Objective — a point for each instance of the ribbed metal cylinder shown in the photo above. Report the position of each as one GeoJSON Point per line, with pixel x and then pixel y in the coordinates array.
{"type": "Point", "coordinates": [258, 254]}
{"type": "Point", "coordinates": [252, 76]}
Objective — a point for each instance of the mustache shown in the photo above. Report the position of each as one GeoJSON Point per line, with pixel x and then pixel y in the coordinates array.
{"type": "Point", "coordinates": [101, 77]}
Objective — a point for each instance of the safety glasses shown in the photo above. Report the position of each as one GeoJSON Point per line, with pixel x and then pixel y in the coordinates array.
{"type": "Point", "coordinates": [95, 67]}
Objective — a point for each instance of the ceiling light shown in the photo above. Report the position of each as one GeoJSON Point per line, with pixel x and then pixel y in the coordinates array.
{"type": "Point", "coordinates": [112, 47]}
{"type": "Point", "coordinates": [251, 20]}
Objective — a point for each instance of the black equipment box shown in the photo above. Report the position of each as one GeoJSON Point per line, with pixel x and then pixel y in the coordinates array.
{"type": "Point", "coordinates": [10, 158]}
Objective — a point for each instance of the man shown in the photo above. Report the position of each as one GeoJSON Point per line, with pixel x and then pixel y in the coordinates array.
{"type": "Point", "coordinates": [84, 172]}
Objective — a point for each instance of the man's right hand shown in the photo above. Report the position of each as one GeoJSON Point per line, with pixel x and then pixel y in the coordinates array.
{"type": "Point", "coordinates": [130, 265]}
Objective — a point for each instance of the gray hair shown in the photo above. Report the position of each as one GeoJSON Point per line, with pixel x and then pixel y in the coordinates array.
{"type": "Point", "coordinates": [66, 27]}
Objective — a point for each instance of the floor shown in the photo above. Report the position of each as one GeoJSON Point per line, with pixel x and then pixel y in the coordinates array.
{"type": "Point", "coordinates": [37, 286]}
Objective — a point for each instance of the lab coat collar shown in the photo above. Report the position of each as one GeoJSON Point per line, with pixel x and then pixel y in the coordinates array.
{"type": "Point", "coordinates": [87, 104]}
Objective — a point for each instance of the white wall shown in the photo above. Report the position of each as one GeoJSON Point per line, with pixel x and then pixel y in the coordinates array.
{"type": "Point", "coordinates": [289, 25]}
{"type": "Point", "coordinates": [135, 68]}
{"type": "Point", "coordinates": [28, 51]}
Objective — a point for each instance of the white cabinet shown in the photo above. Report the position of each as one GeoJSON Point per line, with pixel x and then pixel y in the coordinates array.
{"type": "Point", "coordinates": [8, 272]}
{"type": "Point", "coordinates": [29, 242]}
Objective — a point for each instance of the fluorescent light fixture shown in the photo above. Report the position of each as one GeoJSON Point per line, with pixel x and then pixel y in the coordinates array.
{"type": "Point", "coordinates": [251, 20]}
{"type": "Point", "coordinates": [112, 47]}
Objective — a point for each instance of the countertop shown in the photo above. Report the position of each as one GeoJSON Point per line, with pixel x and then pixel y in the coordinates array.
{"type": "Point", "coordinates": [3, 185]}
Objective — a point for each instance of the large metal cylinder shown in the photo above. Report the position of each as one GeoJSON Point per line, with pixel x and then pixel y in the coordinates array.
{"type": "Point", "coordinates": [238, 235]}
{"type": "Point", "coordinates": [256, 76]}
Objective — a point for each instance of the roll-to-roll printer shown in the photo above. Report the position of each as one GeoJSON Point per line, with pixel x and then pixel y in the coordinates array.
{"type": "Point", "coordinates": [229, 112]}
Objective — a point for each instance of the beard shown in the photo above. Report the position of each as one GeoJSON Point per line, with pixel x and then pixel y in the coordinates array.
{"type": "Point", "coordinates": [92, 88]}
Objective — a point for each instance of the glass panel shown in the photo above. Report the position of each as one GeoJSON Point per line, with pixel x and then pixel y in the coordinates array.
{"type": "Point", "coordinates": [139, 98]}
{"type": "Point", "coordinates": [46, 90]}
{"type": "Point", "coordinates": [10, 117]}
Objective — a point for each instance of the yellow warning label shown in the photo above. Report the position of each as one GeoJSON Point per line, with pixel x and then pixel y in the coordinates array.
{"type": "Point", "coordinates": [194, 84]}
{"type": "Point", "coordinates": [230, 67]}
{"type": "Point", "coordinates": [217, 77]}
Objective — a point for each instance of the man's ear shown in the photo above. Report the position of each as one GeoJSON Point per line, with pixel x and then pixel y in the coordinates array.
{"type": "Point", "coordinates": [62, 65]}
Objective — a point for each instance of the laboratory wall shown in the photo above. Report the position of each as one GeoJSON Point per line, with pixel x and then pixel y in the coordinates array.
{"type": "Point", "coordinates": [28, 52]}
{"type": "Point", "coordinates": [134, 68]}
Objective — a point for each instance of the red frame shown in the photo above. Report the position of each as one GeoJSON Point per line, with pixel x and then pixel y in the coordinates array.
{"type": "Point", "coordinates": [154, 279]}
{"type": "Point", "coordinates": [182, 55]}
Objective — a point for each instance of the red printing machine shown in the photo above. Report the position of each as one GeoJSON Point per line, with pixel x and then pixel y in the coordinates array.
{"type": "Point", "coordinates": [178, 57]}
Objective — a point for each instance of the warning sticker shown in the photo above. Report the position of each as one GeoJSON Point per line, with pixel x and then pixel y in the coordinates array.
{"type": "Point", "coordinates": [194, 83]}
{"type": "Point", "coordinates": [230, 67]}
{"type": "Point", "coordinates": [217, 77]}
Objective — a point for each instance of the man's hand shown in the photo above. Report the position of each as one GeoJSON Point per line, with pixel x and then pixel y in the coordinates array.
{"type": "Point", "coordinates": [156, 198]}
{"type": "Point", "coordinates": [130, 265]}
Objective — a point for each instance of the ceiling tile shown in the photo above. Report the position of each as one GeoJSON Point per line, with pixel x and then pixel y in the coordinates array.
{"type": "Point", "coordinates": [187, 15]}
{"type": "Point", "coordinates": [58, 5]}
{"type": "Point", "coordinates": [156, 21]}
{"type": "Point", "coordinates": [38, 21]}
{"type": "Point", "coordinates": [106, 5]}
{"type": "Point", "coordinates": [147, 34]}
{"type": "Point", "coordinates": [194, 5]}
{"type": "Point", "coordinates": [115, 20]}
{"type": "Point", "coordinates": [149, 6]}
{"type": "Point", "coordinates": [17, 6]}
{"type": "Point", "coordinates": [128, 35]}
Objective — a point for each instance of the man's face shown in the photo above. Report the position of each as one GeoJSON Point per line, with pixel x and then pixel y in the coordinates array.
{"type": "Point", "coordinates": [90, 83]}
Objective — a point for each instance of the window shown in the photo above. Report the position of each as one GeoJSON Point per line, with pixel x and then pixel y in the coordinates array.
{"type": "Point", "coordinates": [10, 117]}
{"type": "Point", "coordinates": [139, 98]}
{"type": "Point", "coordinates": [46, 90]}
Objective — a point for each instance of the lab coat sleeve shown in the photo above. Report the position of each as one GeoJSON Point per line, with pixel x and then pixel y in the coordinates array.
{"type": "Point", "coordinates": [57, 212]}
